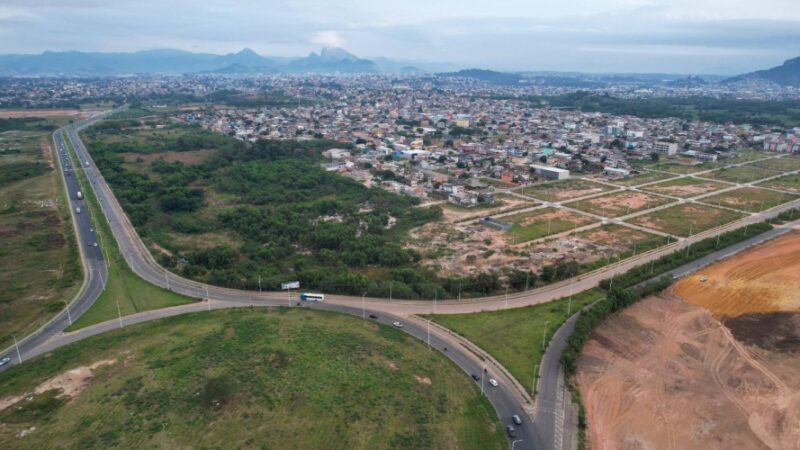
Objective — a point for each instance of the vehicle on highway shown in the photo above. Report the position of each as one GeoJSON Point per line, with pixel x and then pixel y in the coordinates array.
{"type": "Point", "coordinates": [475, 377]}
{"type": "Point", "coordinates": [4, 361]}
{"type": "Point", "coordinates": [373, 316]}
{"type": "Point", "coordinates": [398, 324]}
{"type": "Point", "coordinates": [79, 195]}
{"type": "Point", "coordinates": [516, 419]}
{"type": "Point", "coordinates": [94, 245]}
{"type": "Point", "coordinates": [309, 297]}
{"type": "Point", "coordinates": [78, 209]}
{"type": "Point", "coordinates": [86, 163]}
{"type": "Point", "coordinates": [493, 382]}
{"type": "Point", "coordinates": [512, 433]}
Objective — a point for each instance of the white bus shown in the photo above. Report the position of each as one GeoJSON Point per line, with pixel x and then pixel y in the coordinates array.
{"type": "Point", "coordinates": [309, 297]}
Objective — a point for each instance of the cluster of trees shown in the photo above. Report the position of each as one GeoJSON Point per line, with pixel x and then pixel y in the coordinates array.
{"type": "Point", "coordinates": [16, 171]}
{"type": "Point", "coordinates": [26, 124]}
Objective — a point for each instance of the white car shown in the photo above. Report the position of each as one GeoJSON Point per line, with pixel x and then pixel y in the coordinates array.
{"type": "Point", "coordinates": [4, 361]}
{"type": "Point", "coordinates": [398, 324]}
{"type": "Point", "coordinates": [493, 382]}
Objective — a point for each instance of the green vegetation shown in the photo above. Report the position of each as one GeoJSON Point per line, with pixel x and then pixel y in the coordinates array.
{"type": "Point", "coordinates": [620, 243]}
{"type": "Point", "coordinates": [756, 112]}
{"type": "Point", "coordinates": [685, 187]}
{"type": "Point", "coordinates": [697, 250]}
{"type": "Point", "coordinates": [644, 177]}
{"type": "Point", "coordinates": [682, 169]}
{"type": "Point", "coordinates": [514, 337]}
{"type": "Point", "coordinates": [558, 191]}
{"type": "Point", "coordinates": [785, 164]}
{"type": "Point", "coordinates": [686, 219]}
{"type": "Point", "coordinates": [26, 124]}
{"type": "Point", "coordinates": [268, 212]}
{"type": "Point", "coordinates": [619, 203]}
{"type": "Point", "coordinates": [125, 293]}
{"type": "Point", "coordinates": [741, 174]}
{"type": "Point", "coordinates": [39, 264]}
{"type": "Point", "coordinates": [252, 378]}
{"type": "Point", "coordinates": [543, 222]}
{"type": "Point", "coordinates": [750, 199]}
{"type": "Point", "coordinates": [787, 183]}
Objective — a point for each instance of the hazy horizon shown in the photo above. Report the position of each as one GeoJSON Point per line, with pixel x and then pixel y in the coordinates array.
{"type": "Point", "coordinates": [613, 36]}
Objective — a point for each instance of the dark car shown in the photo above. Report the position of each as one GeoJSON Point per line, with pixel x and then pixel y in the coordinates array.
{"type": "Point", "coordinates": [516, 419]}
{"type": "Point", "coordinates": [373, 316]}
{"type": "Point", "coordinates": [512, 433]}
{"type": "Point", "coordinates": [475, 377]}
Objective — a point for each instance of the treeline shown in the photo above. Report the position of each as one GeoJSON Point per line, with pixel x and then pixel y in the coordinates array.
{"type": "Point", "coordinates": [26, 124]}
{"type": "Point", "coordinates": [783, 113]}
{"type": "Point", "coordinates": [15, 171]}
{"type": "Point", "coordinates": [186, 138]}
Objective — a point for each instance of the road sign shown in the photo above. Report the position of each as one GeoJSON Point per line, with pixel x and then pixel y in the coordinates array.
{"type": "Point", "coordinates": [290, 285]}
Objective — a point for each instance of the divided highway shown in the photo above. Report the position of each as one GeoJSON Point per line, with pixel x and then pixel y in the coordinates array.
{"type": "Point", "coordinates": [545, 433]}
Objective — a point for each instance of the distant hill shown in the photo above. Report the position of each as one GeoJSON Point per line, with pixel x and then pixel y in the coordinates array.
{"type": "Point", "coordinates": [489, 76]}
{"type": "Point", "coordinates": [787, 74]}
{"type": "Point", "coordinates": [176, 62]}
{"type": "Point", "coordinates": [688, 82]}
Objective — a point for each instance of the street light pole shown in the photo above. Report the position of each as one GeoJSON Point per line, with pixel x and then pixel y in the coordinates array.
{"type": "Point", "coordinates": [69, 317]}
{"type": "Point", "coordinates": [535, 376]}
{"type": "Point", "coordinates": [16, 345]}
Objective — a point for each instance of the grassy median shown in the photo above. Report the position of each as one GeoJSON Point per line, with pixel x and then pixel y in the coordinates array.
{"type": "Point", "coordinates": [514, 336]}
{"type": "Point", "coordinates": [125, 292]}
{"type": "Point", "coordinates": [250, 378]}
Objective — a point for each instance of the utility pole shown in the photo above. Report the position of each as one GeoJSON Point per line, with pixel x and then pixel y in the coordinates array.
{"type": "Point", "coordinates": [16, 345]}
{"type": "Point", "coordinates": [483, 376]}
{"type": "Point", "coordinates": [459, 291]}
{"type": "Point", "coordinates": [259, 283]}
{"type": "Point", "coordinates": [391, 285]}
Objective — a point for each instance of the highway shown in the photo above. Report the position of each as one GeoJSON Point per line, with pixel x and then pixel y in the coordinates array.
{"type": "Point", "coordinates": [507, 399]}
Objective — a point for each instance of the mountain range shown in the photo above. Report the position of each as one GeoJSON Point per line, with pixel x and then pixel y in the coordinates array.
{"type": "Point", "coordinates": [339, 60]}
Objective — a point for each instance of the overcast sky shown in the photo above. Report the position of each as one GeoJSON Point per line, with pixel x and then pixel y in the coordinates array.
{"type": "Point", "coordinates": [675, 36]}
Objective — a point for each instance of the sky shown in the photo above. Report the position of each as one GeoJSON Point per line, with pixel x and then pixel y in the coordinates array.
{"type": "Point", "coordinates": [664, 36]}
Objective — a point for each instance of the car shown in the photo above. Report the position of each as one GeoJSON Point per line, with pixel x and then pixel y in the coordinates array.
{"type": "Point", "coordinates": [512, 433]}
{"type": "Point", "coordinates": [516, 419]}
{"type": "Point", "coordinates": [373, 316]}
{"type": "Point", "coordinates": [398, 324]}
{"type": "Point", "coordinates": [94, 245]}
{"type": "Point", "coordinates": [4, 361]}
{"type": "Point", "coordinates": [493, 382]}
{"type": "Point", "coordinates": [475, 377]}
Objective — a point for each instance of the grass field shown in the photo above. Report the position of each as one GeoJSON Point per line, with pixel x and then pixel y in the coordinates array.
{"type": "Point", "coordinates": [559, 191]}
{"type": "Point", "coordinates": [749, 199]}
{"type": "Point", "coordinates": [741, 174]}
{"type": "Point", "coordinates": [681, 169]}
{"type": "Point", "coordinates": [544, 222]}
{"type": "Point", "coordinates": [644, 177]}
{"type": "Point", "coordinates": [789, 183]}
{"type": "Point", "coordinates": [685, 187]}
{"type": "Point", "coordinates": [784, 164]}
{"type": "Point", "coordinates": [514, 336]}
{"type": "Point", "coordinates": [686, 219]}
{"type": "Point", "coordinates": [124, 289]}
{"type": "Point", "coordinates": [251, 378]}
{"type": "Point", "coordinates": [39, 264]}
{"type": "Point", "coordinates": [619, 203]}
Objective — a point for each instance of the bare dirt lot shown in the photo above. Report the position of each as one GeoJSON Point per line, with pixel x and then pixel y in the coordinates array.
{"type": "Point", "coordinates": [12, 113]}
{"type": "Point", "coordinates": [619, 204]}
{"type": "Point", "coordinates": [669, 373]}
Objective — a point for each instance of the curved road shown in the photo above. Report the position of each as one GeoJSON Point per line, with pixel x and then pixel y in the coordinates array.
{"type": "Point", "coordinates": [507, 399]}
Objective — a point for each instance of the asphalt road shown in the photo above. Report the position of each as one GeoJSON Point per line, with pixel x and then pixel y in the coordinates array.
{"type": "Point", "coordinates": [505, 399]}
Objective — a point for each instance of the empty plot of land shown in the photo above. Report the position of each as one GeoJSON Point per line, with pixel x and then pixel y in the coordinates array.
{"type": "Point", "coordinates": [785, 164]}
{"type": "Point", "coordinates": [620, 203]}
{"type": "Point", "coordinates": [642, 178]}
{"type": "Point", "coordinates": [789, 183]}
{"type": "Point", "coordinates": [680, 169]}
{"type": "Point", "coordinates": [765, 278]}
{"type": "Point", "coordinates": [544, 222]}
{"type": "Point", "coordinates": [750, 199]}
{"type": "Point", "coordinates": [595, 247]}
{"type": "Point", "coordinates": [741, 174]}
{"type": "Point", "coordinates": [686, 219]}
{"type": "Point", "coordinates": [666, 374]}
{"type": "Point", "coordinates": [13, 113]}
{"type": "Point", "coordinates": [560, 191]}
{"type": "Point", "coordinates": [685, 187]}
{"type": "Point", "coordinates": [503, 203]}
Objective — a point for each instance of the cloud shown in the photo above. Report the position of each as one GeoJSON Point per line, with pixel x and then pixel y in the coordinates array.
{"type": "Point", "coordinates": [328, 39]}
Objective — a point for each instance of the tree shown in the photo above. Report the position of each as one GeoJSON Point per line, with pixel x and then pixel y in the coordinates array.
{"type": "Point", "coordinates": [654, 156]}
{"type": "Point", "coordinates": [543, 159]}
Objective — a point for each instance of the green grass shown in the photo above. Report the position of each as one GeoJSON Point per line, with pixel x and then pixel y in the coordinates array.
{"type": "Point", "coordinates": [741, 174]}
{"type": "Point", "coordinates": [750, 199]}
{"type": "Point", "coordinates": [644, 177]}
{"type": "Point", "coordinates": [558, 191]}
{"type": "Point", "coordinates": [39, 265]}
{"type": "Point", "coordinates": [685, 187]}
{"type": "Point", "coordinates": [620, 203]}
{"type": "Point", "coordinates": [253, 378]}
{"type": "Point", "coordinates": [681, 169]}
{"type": "Point", "coordinates": [124, 289]}
{"type": "Point", "coordinates": [514, 336]}
{"type": "Point", "coordinates": [543, 222]}
{"type": "Point", "coordinates": [784, 164]}
{"type": "Point", "coordinates": [686, 219]}
{"type": "Point", "coordinates": [788, 183]}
